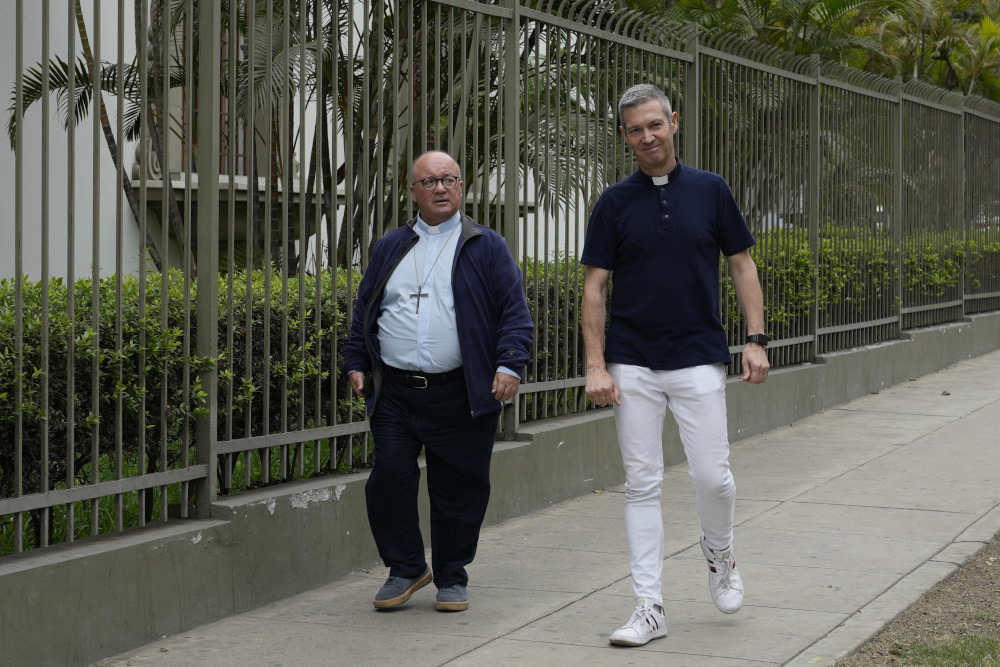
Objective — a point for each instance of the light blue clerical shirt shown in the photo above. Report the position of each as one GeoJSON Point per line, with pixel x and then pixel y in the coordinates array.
{"type": "Point", "coordinates": [416, 325]}
{"type": "Point", "coordinates": [417, 330]}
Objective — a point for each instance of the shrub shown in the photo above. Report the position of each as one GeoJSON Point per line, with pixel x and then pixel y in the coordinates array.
{"type": "Point", "coordinates": [142, 395]}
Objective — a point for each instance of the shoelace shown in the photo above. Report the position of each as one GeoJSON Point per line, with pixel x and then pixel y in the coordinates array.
{"type": "Point", "coordinates": [727, 570]}
{"type": "Point", "coordinates": [643, 615]}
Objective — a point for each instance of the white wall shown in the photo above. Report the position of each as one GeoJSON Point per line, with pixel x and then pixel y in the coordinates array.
{"type": "Point", "coordinates": [102, 185]}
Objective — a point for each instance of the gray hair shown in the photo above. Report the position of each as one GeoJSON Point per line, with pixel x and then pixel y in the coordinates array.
{"type": "Point", "coordinates": [642, 93]}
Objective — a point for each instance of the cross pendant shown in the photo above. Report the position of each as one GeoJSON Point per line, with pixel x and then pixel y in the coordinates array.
{"type": "Point", "coordinates": [419, 294]}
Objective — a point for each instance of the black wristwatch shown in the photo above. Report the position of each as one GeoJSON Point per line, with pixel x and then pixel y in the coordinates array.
{"type": "Point", "coordinates": [760, 339]}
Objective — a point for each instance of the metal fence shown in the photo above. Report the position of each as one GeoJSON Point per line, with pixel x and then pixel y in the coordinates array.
{"type": "Point", "coordinates": [273, 142]}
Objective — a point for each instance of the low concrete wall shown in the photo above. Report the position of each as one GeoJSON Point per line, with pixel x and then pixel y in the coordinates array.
{"type": "Point", "coordinates": [76, 603]}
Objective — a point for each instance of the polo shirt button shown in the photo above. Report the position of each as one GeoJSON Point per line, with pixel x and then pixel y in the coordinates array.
{"type": "Point", "coordinates": [665, 202]}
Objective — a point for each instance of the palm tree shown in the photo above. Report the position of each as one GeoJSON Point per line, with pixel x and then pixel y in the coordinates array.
{"type": "Point", "coordinates": [979, 61]}
{"type": "Point", "coordinates": [78, 82]}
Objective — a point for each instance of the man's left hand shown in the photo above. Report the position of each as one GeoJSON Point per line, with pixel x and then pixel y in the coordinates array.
{"type": "Point", "coordinates": [505, 386]}
{"type": "Point", "coordinates": [755, 364]}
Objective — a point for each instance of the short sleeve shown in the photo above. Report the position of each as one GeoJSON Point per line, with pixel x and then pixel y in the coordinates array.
{"type": "Point", "coordinates": [734, 233]}
{"type": "Point", "coordinates": [599, 247]}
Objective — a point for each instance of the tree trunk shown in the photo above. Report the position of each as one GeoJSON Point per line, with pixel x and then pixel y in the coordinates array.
{"type": "Point", "coordinates": [109, 136]}
{"type": "Point", "coordinates": [274, 220]}
{"type": "Point", "coordinates": [174, 211]}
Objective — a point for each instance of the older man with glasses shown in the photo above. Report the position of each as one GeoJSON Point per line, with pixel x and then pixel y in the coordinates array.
{"type": "Point", "coordinates": [440, 335]}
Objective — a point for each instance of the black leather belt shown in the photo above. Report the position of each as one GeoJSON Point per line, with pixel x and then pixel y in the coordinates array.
{"type": "Point", "coordinates": [421, 380]}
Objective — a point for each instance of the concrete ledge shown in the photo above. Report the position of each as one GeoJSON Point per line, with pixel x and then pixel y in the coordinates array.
{"type": "Point", "coordinates": [982, 530]}
{"type": "Point", "coordinates": [285, 539]}
{"type": "Point", "coordinates": [112, 593]}
{"type": "Point", "coordinates": [957, 553]}
{"type": "Point", "coordinates": [73, 603]}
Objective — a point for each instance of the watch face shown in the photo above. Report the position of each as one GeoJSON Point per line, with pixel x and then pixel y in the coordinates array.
{"type": "Point", "coordinates": [760, 339]}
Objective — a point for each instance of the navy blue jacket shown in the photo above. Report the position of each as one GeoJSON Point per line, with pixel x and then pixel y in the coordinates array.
{"type": "Point", "coordinates": [494, 325]}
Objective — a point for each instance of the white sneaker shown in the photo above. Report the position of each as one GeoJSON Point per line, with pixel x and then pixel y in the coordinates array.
{"type": "Point", "coordinates": [647, 623]}
{"type": "Point", "coordinates": [724, 581]}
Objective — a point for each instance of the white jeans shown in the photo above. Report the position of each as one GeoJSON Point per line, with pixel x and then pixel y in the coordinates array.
{"type": "Point", "coordinates": [697, 398]}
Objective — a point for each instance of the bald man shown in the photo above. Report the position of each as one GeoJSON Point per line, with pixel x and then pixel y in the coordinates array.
{"type": "Point", "coordinates": [439, 339]}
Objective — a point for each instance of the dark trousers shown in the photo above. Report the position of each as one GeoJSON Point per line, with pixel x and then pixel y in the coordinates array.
{"type": "Point", "coordinates": [457, 449]}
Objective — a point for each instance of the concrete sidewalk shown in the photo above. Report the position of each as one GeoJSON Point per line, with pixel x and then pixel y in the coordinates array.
{"type": "Point", "coordinates": [843, 520]}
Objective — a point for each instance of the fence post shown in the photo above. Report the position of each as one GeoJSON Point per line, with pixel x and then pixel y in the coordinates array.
{"type": "Point", "coordinates": [511, 151]}
{"type": "Point", "coordinates": [512, 128]}
{"type": "Point", "coordinates": [815, 188]}
{"type": "Point", "coordinates": [897, 206]}
{"type": "Point", "coordinates": [208, 120]}
{"type": "Point", "coordinates": [963, 179]}
{"type": "Point", "coordinates": [692, 100]}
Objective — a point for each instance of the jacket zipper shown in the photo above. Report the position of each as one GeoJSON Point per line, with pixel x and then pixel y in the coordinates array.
{"type": "Point", "coordinates": [462, 240]}
{"type": "Point", "coordinates": [378, 291]}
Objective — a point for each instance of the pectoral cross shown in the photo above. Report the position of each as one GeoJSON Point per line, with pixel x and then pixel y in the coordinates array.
{"type": "Point", "coordinates": [419, 294]}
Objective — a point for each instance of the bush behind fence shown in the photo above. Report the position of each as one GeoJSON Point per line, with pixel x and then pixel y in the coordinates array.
{"type": "Point", "coordinates": [98, 423]}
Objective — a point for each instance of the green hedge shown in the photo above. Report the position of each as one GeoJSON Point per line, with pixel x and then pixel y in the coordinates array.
{"type": "Point", "coordinates": [155, 342]}
{"type": "Point", "coordinates": [856, 268]}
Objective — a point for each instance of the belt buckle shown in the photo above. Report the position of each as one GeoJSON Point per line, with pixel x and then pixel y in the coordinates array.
{"type": "Point", "coordinates": [420, 377]}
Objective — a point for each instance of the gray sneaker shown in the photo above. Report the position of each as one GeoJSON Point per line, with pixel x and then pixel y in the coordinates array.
{"type": "Point", "coordinates": [452, 598]}
{"type": "Point", "coordinates": [396, 590]}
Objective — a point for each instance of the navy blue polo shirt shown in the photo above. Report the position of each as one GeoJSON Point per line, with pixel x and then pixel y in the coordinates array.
{"type": "Point", "coordinates": [662, 245]}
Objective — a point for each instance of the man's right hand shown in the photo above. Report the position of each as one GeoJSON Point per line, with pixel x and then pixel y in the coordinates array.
{"type": "Point", "coordinates": [601, 389]}
{"type": "Point", "coordinates": [357, 380]}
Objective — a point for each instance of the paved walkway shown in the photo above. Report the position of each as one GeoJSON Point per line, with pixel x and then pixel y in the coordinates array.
{"type": "Point", "coordinates": [843, 519]}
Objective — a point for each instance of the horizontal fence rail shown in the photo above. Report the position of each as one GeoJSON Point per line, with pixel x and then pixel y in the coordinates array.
{"type": "Point", "coordinates": [186, 249]}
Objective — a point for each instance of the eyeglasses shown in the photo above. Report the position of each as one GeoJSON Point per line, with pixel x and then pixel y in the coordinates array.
{"type": "Point", "coordinates": [430, 184]}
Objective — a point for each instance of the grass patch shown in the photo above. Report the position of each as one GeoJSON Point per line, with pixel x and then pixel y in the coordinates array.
{"type": "Point", "coordinates": [953, 650]}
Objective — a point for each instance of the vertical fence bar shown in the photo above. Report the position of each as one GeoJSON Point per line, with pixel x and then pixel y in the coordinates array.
{"type": "Point", "coordinates": [285, 169]}
{"type": "Point", "coordinates": [253, 208]}
{"type": "Point", "coordinates": [267, 223]}
{"type": "Point", "coordinates": [335, 266]}
{"type": "Point", "coordinates": [350, 183]}
{"type": "Point", "coordinates": [301, 222]}
{"type": "Point", "coordinates": [959, 200]}
{"type": "Point", "coordinates": [896, 218]}
{"type": "Point", "coordinates": [97, 117]}
{"type": "Point", "coordinates": [210, 31]}
{"type": "Point", "coordinates": [693, 92]}
{"type": "Point", "coordinates": [119, 271]}
{"type": "Point", "coordinates": [319, 208]}
{"type": "Point", "coordinates": [41, 524]}
{"type": "Point", "coordinates": [815, 125]}
{"type": "Point", "coordinates": [145, 140]}
{"type": "Point", "coordinates": [70, 352]}
{"type": "Point", "coordinates": [192, 107]}
{"type": "Point", "coordinates": [511, 87]}
{"type": "Point", "coordinates": [232, 56]}
{"type": "Point", "coordinates": [19, 274]}
{"type": "Point", "coordinates": [162, 69]}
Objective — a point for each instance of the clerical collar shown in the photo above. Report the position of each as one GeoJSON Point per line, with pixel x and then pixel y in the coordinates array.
{"type": "Point", "coordinates": [662, 180]}
{"type": "Point", "coordinates": [443, 228]}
